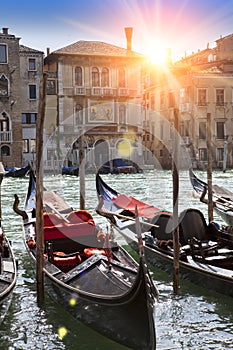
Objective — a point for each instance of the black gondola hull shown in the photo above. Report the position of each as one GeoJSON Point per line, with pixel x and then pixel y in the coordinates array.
{"type": "Point", "coordinates": [7, 278]}
{"type": "Point", "coordinates": [119, 319]}
{"type": "Point", "coordinates": [207, 276]}
{"type": "Point", "coordinates": [113, 294]}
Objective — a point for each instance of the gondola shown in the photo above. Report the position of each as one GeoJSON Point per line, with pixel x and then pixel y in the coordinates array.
{"type": "Point", "coordinates": [206, 251]}
{"type": "Point", "coordinates": [222, 198]}
{"type": "Point", "coordinates": [8, 272]}
{"type": "Point", "coordinates": [120, 166]}
{"type": "Point", "coordinates": [70, 170]}
{"type": "Point", "coordinates": [17, 172]}
{"type": "Point", "coordinates": [92, 276]}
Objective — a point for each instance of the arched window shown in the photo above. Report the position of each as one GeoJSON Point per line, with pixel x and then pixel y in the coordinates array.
{"type": "Point", "coordinates": [4, 122]}
{"type": "Point", "coordinates": [121, 77]}
{"type": "Point", "coordinates": [78, 114]}
{"type": "Point", "coordinates": [78, 76]}
{"type": "Point", "coordinates": [122, 114]}
{"type": "Point", "coordinates": [5, 151]}
{"type": "Point", "coordinates": [4, 91]}
{"type": "Point", "coordinates": [95, 77]}
{"type": "Point", "coordinates": [105, 77]}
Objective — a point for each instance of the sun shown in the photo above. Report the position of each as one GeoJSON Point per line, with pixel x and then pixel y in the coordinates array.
{"type": "Point", "coordinates": [158, 55]}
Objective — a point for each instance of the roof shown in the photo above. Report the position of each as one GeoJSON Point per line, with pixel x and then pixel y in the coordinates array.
{"type": "Point", "coordinates": [26, 49]}
{"type": "Point", "coordinates": [96, 48]}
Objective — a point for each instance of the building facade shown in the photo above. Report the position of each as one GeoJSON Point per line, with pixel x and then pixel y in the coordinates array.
{"type": "Point", "coordinates": [31, 72]}
{"type": "Point", "coordinates": [93, 95]}
{"type": "Point", "coordinates": [10, 100]}
{"type": "Point", "coordinates": [21, 70]}
{"type": "Point", "coordinates": [197, 88]}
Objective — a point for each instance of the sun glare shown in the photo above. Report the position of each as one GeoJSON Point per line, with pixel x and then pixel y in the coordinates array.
{"type": "Point", "coordinates": [157, 55]}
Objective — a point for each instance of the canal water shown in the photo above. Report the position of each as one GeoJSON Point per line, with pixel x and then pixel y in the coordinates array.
{"type": "Point", "coordinates": [196, 319]}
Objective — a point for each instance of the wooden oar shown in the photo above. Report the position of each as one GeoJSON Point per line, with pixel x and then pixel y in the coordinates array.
{"type": "Point", "coordinates": [108, 213]}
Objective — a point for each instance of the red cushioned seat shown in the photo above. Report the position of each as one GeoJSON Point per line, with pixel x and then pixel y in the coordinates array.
{"type": "Point", "coordinates": [52, 219]}
{"type": "Point", "coordinates": [80, 216]}
{"type": "Point", "coordinates": [68, 231]}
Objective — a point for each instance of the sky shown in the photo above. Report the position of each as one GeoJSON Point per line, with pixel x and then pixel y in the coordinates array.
{"type": "Point", "coordinates": [184, 26]}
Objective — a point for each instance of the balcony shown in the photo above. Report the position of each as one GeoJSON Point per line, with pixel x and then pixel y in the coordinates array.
{"type": "Point", "coordinates": [99, 91]}
{"type": "Point", "coordinates": [185, 141]}
{"type": "Point", "coordinates": [79, 91]}
{"type": "Point", "coordinates": [5, 136]}
{"type": "Point", "coordinates": [185, 107]}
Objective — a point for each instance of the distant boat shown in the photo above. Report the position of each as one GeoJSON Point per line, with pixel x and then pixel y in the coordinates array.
{"type": "Point", "coordinates": [70, 170]}
{"type": "Point", "coordinates": [119, 166]}
{"type": "Point", "coordinates": [17, 172]}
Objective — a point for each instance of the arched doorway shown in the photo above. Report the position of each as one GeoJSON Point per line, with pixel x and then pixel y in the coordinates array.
{"type": "Point", "coordinates": [101, 152]}
{"type": "Point", "coordinates": [123, 148]}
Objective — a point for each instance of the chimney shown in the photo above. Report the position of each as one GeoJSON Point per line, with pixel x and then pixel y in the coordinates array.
{"type": "Point", "coordinates": [129, 33]}
{"type": "Point", "coordinates": [48, 51]}
{"type": "Point", "coordinates": [5, 31]}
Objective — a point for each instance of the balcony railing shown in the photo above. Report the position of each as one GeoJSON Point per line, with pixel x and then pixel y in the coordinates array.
{"type": "Point", "coordinates": [100, 91]}
{"type": "Point", "coordinates": [6, 136]}
{"type": "Point", "coordinates": [185, 141]}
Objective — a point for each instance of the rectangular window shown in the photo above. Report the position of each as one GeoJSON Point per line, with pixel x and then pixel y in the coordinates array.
{"type": "Point", "coordinates": [162, 100]}
{"type": "Point", "coordinates": [184, 94]}
{"type": "Point", "coordinates": [33, 146]}
{"type": "Point", "coordinates": [32, 92]}
{"type": "Point", "coordinates": [219, 97]}
{"type": "Point", "coordinates": [202, 97]}
{"type": "Point", "coordinates": [220, 130]}
{"type": "Point", "coordinates": [152, 102]}
{"type": "Point", "coordinates": [184, 128]}
{"type": "Point", "coordinates": [26, 146]}
{"type": "Point", "coordinates": [3, 53]}
{"type": "Point", "coordinates": [220, 154]}
{"type": "Point", "coordinates": [51, 87]}
{"type": "Point", "coordinates": [203, 154]}
{"type": "Point", "coordinates": [32, 64]}
{"type": "Point", "coordinates": [29, 118]}
{"type": "Point", "coordinates": [202, 131]}
{"type": "Point", "coordinates": [171, 99]}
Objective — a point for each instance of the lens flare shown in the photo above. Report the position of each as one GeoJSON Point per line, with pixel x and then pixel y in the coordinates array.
{"type": "Point", "coordinates": [72, 302]}
{"type": "Point", "coordinates": [62, 332]}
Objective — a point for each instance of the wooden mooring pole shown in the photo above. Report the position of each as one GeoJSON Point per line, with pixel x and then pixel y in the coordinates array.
{"type": "Point", "coordinates": [39, 195]}
{"type": "Point", "coordinates": [175, 177]}
{"type": "Point", "coordinates": [209, 169]}
{"type": "Point", "coordinates": [82, 172]}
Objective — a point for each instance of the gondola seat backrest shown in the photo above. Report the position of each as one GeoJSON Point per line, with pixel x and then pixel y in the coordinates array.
{"type": "Point", "coordinates": [52, 219]}
{"type": "Point", "coordinates": [164, 229]}
{"type": "Point", "coordinates": [71, 231]}
{"type": "Point", "coordinates": [80, 216]}
{"type": "Point", "coordinates": [192, 224]}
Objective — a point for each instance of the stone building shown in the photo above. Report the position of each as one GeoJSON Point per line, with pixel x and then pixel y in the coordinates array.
{"type": "Point", "coordinates": [31, 72]}
{"type": "Point", "coordinates": [10, 100]}
{"type": "Point", "coordinates": [93, 91]}
{"type": "Point", "coordinates": [198, 86]}
{"type": "Point", "coordinates": [20, 73]}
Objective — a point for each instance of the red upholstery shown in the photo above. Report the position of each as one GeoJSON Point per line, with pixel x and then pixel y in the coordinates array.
{"type": "Point", "coordinates": [66, 261]}
{"type": "Point", "coordinates": [80, 216]}
{"type": "Point", "coordinates": [52, 219]}
{"type": "Point", "coordinates": [68, 231]}
{"type": "Point", "coordinates": [91, 251]}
